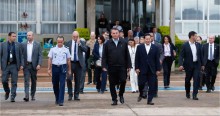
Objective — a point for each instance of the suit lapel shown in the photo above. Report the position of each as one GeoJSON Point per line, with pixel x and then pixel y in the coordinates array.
{"type": "Point", "coordinates": [34, 45]}
{"type": "Point", "coordinates": [189, 48]}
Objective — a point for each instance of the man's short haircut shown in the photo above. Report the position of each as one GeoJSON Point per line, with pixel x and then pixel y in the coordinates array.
{"type": "Point", "coordinates": [191, 33]}
{"type": "Point", "coordinates": [147, 34]}
{"type": "Point", "coordinates": [10, 33]}
{"type": "Point", "coordinates": [60, 36]}
{"type": "Point", "coordinates": [114, 29]}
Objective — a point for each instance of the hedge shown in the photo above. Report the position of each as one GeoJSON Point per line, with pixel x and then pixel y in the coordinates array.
{"type": "Point", "coordinates": [83, 33]}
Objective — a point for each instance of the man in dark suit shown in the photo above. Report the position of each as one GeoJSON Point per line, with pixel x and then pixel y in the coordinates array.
{"type": "Point", "coordinates": [138, 32]}
{"type": "Point", "coordinates": [76, 48]}
{"type": "Point", "coordinates": [190, 60]}
{"type": "Point", "coordinates": [32, 54]}
{"type": "Point", "coordinates": [11, 62]}
{"type": "Point", "coordinates": [157, 35]}
{"type": "Point", "coordinates": [210, 61]}
{"type": "Point", "coordinates": [117, 60]}
{"type": "Point", "coordinates": [147, 66]}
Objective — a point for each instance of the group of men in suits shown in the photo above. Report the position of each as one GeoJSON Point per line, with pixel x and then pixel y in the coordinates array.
{"type": "Point", "coordinates": [16, 56]}
{"type": "Point", "coordinates": [193, 58]}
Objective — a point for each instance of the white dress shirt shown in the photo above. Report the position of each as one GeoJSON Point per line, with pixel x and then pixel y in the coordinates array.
{"type": "Point", "coordinates": [167, 50]}
{"type": "Point", "coordinates": [100, 50]}
{"type": "Point", "coordinates": [29, 51]}
{"type": "Point", "coordinates": [72, 50]}
{"type": "Point", "coordinates": [212, 51]}
{"type": "Point", "coordinates": [147, 47]}
{"type": "Point", "coordinates": [194, 51]}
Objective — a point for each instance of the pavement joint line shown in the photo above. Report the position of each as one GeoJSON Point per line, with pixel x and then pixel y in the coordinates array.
{"type": "Point", "coordinates": [131, 109]}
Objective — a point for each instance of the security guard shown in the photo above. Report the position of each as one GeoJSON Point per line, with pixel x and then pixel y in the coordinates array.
{"type": "Point", "coordinates": [59, 58]}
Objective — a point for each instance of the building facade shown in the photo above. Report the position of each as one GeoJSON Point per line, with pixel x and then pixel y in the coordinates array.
{"type": "Point", "coordinates": [48, 18]}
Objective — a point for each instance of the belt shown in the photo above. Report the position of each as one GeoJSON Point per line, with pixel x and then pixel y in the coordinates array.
{"type": "Point", "coordinates": [74, 61]}
{"type": "Point", "coordinates": [29, 63]}
{"type": "Point", "coordinates": [10, 63]}
{"type": "Point", "coordinates": [58, 65]}
{"type": "Point", "coordinates": [195, 62]}
{"type": "Point", "coordinates": [210, 60]}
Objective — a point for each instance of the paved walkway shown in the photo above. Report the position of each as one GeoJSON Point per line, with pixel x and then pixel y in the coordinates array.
{"type": "Point", "coordinates": [171, 101]}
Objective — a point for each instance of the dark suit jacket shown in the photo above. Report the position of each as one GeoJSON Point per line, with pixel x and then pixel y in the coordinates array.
{"type": "Point", "coordinates": [144, 61]}
{"type": "Point", "coordinates": [36, 54]}
{"type": "Point", "coordinates": [4, 55]}
{"type": "Point", "coordinates": [95, 52]}
{"type": "Point", "coordinates": [116, 56]}
{"type": "Point", "coordinates": [172, 48]}
{"type": "Point", "coordinates": [82, 48]}
{"type": "Point", "coordinates": [139, 34]}
{"type": "Point", "coordinates": [206, 53]}
{"type": "Point", "coordinates": [186, 57]}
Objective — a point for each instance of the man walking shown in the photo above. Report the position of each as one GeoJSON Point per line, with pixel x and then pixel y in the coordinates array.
{"type": "Point", "coordinates": [116, 59]}
{"type": "Point", "coordinates": [190, 60]}
{"type": "Point", "coordinates": [32, 54]}
{"type": "Point", "coordinates": [11, 62]}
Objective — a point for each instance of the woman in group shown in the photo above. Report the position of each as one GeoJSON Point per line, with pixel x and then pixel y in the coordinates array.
{"type": "Point", "coordinates": [100, 75]}
{"type": "Point", "coordinates": [132, 46]}
{"type": "Point", "coordinates": [169, 56]}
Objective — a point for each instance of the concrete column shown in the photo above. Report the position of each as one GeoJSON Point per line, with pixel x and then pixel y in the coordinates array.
{"type": "Point", "coordinates": [80, 13]}
{"type": "Point", "coordinates": [38, 16]}
{"type": "Point", "coordinates": [157, 3]}
{"type": "Point", "coordinates": [91, 14]}
{"type": "Point", "coordinates": [166, 12]}
{"type": "Point", "coordinates": [172, 25]}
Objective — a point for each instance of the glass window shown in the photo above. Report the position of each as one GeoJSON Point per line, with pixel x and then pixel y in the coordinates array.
{"type": "Point", "coordinates": [192, 9]}
{"type": "Point", "coordinates": [50, 10]}
{"type": "Point", "coordinates": [197, 27]}
{"type": "Point", "coordinates": [8, 10]}
{"type": "Point", "coordinates": [30, 27]}
{"type": "Point", "coordinates": [5, 28]}
{"type": "Point", "coordinates": [214, 27]}
{"type": "Point", "coordinates": [68, 10]}
{"type": "Point", "coordinates": [178, 27]}
{"type": "Point", "coordinates": [178, 10]}
{"type": "Point", "coordinates": [49, 29]}
{"type": "Point", "coordinates": [67, 28]}
{"type": "Point", "coordinates": [214, 10]}
{"type": "Point", "coordinates": [27, 10]}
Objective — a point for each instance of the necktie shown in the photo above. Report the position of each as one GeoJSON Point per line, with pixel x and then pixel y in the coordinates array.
{"type": "Point", "coordinates": [75, 59]}
{"type": "Point", "coordinates": [211, 56]}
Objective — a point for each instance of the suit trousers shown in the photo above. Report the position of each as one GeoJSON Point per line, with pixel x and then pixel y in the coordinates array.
{"type": "Point", "coordinates": [76, 70]}
{"type": "Point", "coordinates": [210, 73]}
{"type": "Point", "coordinates": [167, 64]}
{"type": "Point", "coordinates": [117, 75]}
{"type": "Point", "coordinates": [192, 73]}
{"type": "Point", "coordinates": [101, 78]}
{"type": "Point", "coordinates": [90, 70]}
{"type": "Point", "coordinates": [58, 80]}
{"type": "Point", "coordinates": [30, 73]}
{"type": "Point", "coordinates": [150, 86]}
{"type": "Point", "coordinates": [82, 79]}
{"type": "Point", "coordinates": [12, 70]}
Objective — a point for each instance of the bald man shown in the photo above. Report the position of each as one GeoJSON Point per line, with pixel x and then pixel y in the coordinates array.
{"type": "Point", "coordinates": [76, 48]}
{"type": "Point", "coordinates": [32, 53]}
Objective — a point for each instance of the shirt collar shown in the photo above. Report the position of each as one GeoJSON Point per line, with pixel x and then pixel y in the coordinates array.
{"type": "Point", "coordinates": [147, 45]}
{"type": "Point", "coordinates": [211, 44]}
{"type": "Point", "coordinates": [29, 42]}
{"type": "Point", "coordinates": [115, 39]}
{"type": "Point", "coordinates": [191, 43]}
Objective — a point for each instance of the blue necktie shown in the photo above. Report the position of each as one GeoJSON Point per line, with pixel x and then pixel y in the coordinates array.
{"type": "Point", "coordinates": [75, 59]}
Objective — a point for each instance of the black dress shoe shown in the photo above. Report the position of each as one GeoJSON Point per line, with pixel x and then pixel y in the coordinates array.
{"type": "Point", "coordinates": [114, 103]}
{"type": "Point", "coordinates": [208, 91]}
{"type": "Point", "coordinates": [70, 98]}
{"type": "Point", "coordinates": [6, 95]}
{"type": "Point", "coordinates": [139, 99]}
{"type": "Point", "coordinates": [133, 91]}
{"type": "Point", "coordinates": [213, 88]}
{"type": "Point", "coordinates": [150, 103]}
{"type": "Point", "coordinates": [76, 99]}
{"type": "Point", "coordinates": [33, 98]}
{"type": "Point", "coordinates": [144, 97]}
{"type": "Point", "coordinates": [26, 99]}
{"type": "Point", "coordinates": [98, 90]}
{"type": "Point", "coordinates": [195, 97]}
{"type": "Point", "coordinates": [122, 99]}
{"type": "Point", "coordinates": [60, 104]}
{"type": "Point", "coordinates": [188, 95]}
{"type": "Point", "coordinates": [12, 99]}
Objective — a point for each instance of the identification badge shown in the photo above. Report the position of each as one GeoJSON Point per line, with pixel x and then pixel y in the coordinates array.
{"type": "Point", "coordinates": [10, 55]}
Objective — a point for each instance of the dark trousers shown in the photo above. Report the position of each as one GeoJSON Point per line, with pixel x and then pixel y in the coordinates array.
{"type": "Point", "coordinates": [12, 70]}
{"type": "Point", "coordinates": [192, 73]}
{"type": "Point", "coordinates": [58, 80]}
{"type": "Point", "coordinates": [167, 64]}
{"type": "Point", "coordinates": [30, 73]}
{"type": "Point", "coordinates": [76, 70]}
{"type": "Point", "coordinates": [82, 79]}
{"type": "Point", "coordinates": [90, 70]}
{"type": "Point", "coordinates": [210, 73]}
{"type": "Point", "coordinates": [117, 75]}
{"type": "Point", "coordinates": [101, 78]}
{"type": "Point", "coordinates": [151, 89]}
